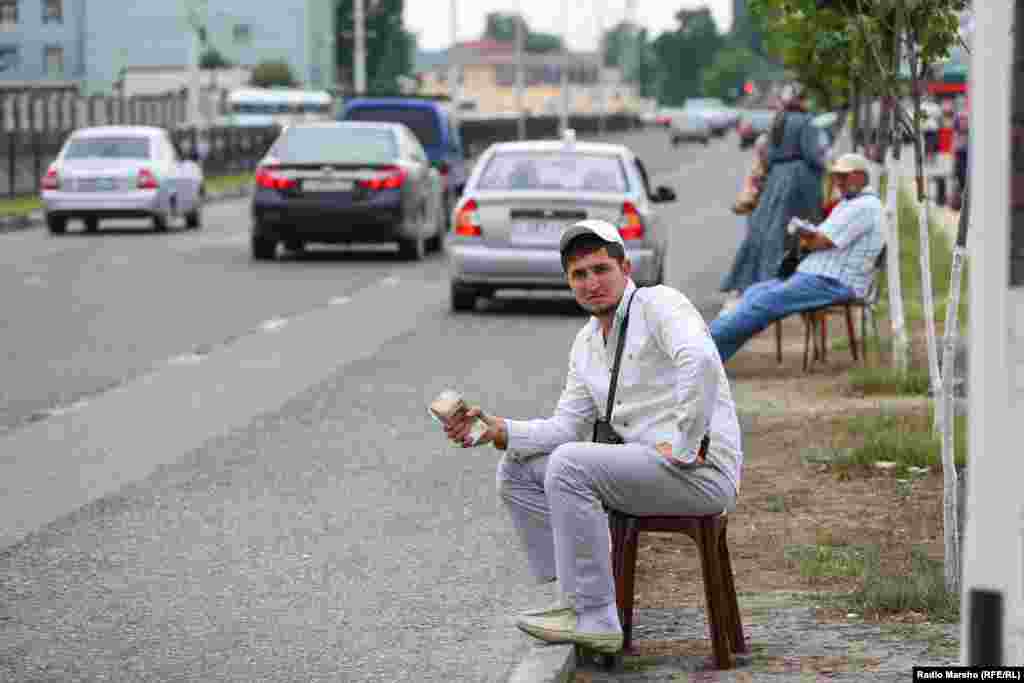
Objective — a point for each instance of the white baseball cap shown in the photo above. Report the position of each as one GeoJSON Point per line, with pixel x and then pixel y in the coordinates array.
{"type": "Point", "coordinates": [850, 163]}
{"type": "Point", "coordinates": [595, 226]}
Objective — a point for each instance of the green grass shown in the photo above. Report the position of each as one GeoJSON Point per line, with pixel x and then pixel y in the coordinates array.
{"type": "Point", "coordinates": [25, 205]}
{"type": "Point", "coordinates": [922, 589]}
{"type": "Point", "coordinates": [941, 262]}
{"type": "Point", "coordinates": [820, 561]}
{"type": "Point", "coordinates": [225, 183]}
{"type": "Point", "coordinates": [873, 380]}
{"type": "Point", "coordinates": [19, 206]}
{"type": "Point", "coordinates": [906, 440]}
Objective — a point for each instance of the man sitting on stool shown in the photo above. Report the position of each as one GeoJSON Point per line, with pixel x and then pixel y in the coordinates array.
{"type": "Point", "coordinates": [843, 251]}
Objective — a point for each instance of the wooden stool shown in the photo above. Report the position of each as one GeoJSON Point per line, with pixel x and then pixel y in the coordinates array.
{"type": "Point", "coordinates": [708, 532]}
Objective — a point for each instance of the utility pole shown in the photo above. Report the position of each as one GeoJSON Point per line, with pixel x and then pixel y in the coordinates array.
{"type": "Point", "coordinates": [564, 85]}
{"type": "Point", "coordinates": [520, 39]}
{"type": "Point", "coordinates": [602, 91]}
{"type": "Point", "coordinates": [196, 17]}
{"type": "Point", "coordinates": [359, 27]}
{"type": "Point", "coordinates": [453, 70]}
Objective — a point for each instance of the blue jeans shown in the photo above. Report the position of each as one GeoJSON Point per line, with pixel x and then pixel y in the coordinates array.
{"type": "Point", "coordinates": [771, 300]}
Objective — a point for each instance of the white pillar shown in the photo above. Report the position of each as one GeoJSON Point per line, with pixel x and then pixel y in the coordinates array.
{"type": "Point", "coordinates": [359, 49]}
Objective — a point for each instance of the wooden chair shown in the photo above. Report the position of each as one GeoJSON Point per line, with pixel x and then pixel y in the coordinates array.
{"type": "Point", "coordinates": [709, 534]}
{"type": "Point", "coordinates": [816, 323]}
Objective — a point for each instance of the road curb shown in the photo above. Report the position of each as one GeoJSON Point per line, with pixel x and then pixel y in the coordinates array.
{"type": "Point", "coordinates": [546, 664]}
{"type": "Point", "coordinates": [35, 218]}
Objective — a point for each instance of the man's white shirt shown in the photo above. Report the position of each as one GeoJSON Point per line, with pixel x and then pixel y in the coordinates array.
{"type": "Point", "coordinates": [672, 386]}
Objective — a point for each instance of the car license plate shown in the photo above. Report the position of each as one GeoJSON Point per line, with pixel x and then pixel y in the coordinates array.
{"type": "Point", "coordinates": [327, 185]}
{"type": "Point", "coordinates": [537, 231]}
{"type": "Point", "coordinates": [105, 184]}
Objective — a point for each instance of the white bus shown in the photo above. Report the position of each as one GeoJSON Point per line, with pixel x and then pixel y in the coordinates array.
{"type": "Point", "coordinates": [251, 107]}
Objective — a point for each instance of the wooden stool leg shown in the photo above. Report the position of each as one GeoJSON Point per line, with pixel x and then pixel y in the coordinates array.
{"type": "Point", "coordinates": [850, 331]}
{"type": "Point", "coordinates": [739, 642]}
{"type": "Point", "coordinates": [823, 321]}
{"type": "Point", "coordinates": [807, 336]}
{"type": "Point", "coordinates": [716, 613]}
{"type": "Point", "coordinates": [778, 341]}
{"type": "Point", "coordinates": [627, 583]}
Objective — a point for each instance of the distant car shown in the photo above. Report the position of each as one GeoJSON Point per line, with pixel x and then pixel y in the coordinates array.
{"type": "Point", "coordinates": [344, 182]}
{"type": "Point", "coordinates": [520, 197]}
{"type": "Point", "coordinates": [719, 117]}
{"type": "Point", "coordinates": [688, 125]}
{"type": "Point", "coordinates": [753, 123]}
{"type": "Point", "coordinates": [432, 123]}
{"type": "Point", "coordinates": [121, 172]}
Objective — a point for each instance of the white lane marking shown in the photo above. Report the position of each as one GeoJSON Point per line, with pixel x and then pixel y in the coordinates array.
{"type": "Point", "coordinates": [69, 408]}
{"type": "Point", "coordinates": [273, 324]}
{"type": "Point", "coordinates": [339, 300]}
{"type": "Point", "coordinates": [34, 281]}
{"type": "Point", "coordinates": [390, 281]}
{"type": "Point", "coordinates": [185, 359]}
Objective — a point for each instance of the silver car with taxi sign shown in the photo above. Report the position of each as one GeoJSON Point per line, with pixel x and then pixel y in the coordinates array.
{"type": "Point", "coordinates": [521, 195]}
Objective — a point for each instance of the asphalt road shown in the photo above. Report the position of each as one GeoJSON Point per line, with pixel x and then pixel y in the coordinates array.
{"type": "Point", "coordinates": [214, 469]}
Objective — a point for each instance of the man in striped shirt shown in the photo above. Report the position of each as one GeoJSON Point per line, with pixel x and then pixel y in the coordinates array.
{"type": "Point", "coordinates": [839, 266]}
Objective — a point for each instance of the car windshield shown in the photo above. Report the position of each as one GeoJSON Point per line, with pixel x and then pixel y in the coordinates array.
{"type": "Point", "coordinates": [335, 145]}
{"type": "Point", "coordinates": [558, 171]}
{"type": "Point", "coordinates": [422, 122]}
{"type": "Point", "coordinates": [108, 148]}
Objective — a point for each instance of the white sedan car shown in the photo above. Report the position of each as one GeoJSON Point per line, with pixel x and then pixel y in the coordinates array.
{"type": "Point", "coordinates": [121, 172]}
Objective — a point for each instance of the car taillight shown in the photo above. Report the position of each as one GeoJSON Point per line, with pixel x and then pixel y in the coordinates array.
{"type": "Point", "coordinates": [265, 177]}
{"type": "Point", "coordinates": [392, 179]}
{"type": "Point", "coordinates": [467, 220]}
{"type": "Point", "coordinates": [632, 226]}
{"type": "Point", "coordinates": [51, 181]}
{"type": "Point", "coordinates": [146, 181]}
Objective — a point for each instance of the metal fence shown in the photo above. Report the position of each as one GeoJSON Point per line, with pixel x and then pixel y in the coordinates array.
{"type": "Point", "coordinates": [26, 154]}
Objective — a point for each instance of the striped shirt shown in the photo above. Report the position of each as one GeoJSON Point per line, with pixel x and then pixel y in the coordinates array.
{"type": "Point", "coordinates": [672, 386]}
{"type": "Point", "coordinates": [854, 226]}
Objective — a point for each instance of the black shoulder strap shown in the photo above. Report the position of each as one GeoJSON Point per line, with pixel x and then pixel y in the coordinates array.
{"type": "Point", "coordinates": [618, 358]}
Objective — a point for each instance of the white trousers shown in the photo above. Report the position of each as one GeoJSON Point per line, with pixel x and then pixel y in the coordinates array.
{"type": "Point", "coordinates": [556, 502]}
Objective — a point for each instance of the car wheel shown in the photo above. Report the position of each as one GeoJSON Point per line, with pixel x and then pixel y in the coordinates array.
{"type": "Point", "coordinates": [194, 219]}
{"type": "Point", "coordinates": [675, 140]}
{"type": "Point", "coordinates": [92, 224]}
{"type": "Point", "coordinates": [463, 298]}
{"type": "Point", "coordinates": [159, 222]}
{"type": "Point", "coordinates": [56, 225]}
{"type": "Point", "coordinates": [263, 249]}
{"type": "Point", "coordinates": [440, 227]}
{"type": "Point", "coordinates": [412, 249]}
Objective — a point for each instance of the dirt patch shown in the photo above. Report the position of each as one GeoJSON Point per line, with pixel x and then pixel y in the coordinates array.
{"type": "Point", "coordinates": [786, 501]}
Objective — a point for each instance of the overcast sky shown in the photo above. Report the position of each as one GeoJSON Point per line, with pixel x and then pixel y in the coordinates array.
{"type": "Point", "coordinates": [431, 19]}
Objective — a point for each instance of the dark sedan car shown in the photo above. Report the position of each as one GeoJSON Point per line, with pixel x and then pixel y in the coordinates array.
{"type": "Point", "coordinates": [345, 182]}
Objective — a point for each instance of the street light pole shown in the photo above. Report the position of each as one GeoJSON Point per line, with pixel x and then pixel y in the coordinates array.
{"type": "Point", "coordinates": [521, 115]}
{"type": "Point", "coordinates": [359, 49]}
{"type": "Point", "coordinates": [565, 67]}
{"type": "Point", "coordinates": [453, 69]}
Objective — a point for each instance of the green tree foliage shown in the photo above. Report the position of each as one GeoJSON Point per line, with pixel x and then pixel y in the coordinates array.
{"type": "Point", "coordinates": [273, 73]}
{"type": "Point", "coordinates": [814, 44]}
{"type": "Point", "coordinates": [213, 59]}
{"type": "Point", "coordinates": [389, 47]}
{"type": "Point", "coordinates": [501, 26]}
{"type": "Point", "coordinates": [685, 53]}
{"type": "Point", "coordinates": [725, 77]}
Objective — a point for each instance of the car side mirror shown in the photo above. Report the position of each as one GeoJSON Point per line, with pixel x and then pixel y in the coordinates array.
{"type": "Point", "coordinates": [664, 194]}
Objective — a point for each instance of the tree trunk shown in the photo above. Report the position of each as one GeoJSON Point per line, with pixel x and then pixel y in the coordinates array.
{"type": "Point", "coordinates": [891, 231]}
{"type": "Point", "coordinates": [924, 227]}
{"type": "Point", "coordinates": [951, 511]}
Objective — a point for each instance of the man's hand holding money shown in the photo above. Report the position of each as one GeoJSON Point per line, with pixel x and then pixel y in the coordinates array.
{"type": "Point", "coordinates": [459, 425]}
